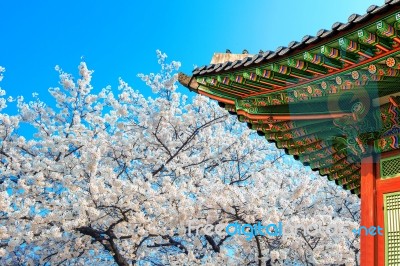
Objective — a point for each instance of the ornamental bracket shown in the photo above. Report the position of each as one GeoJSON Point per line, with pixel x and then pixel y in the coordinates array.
{"type": "Point", "coordinates": [358, 131]}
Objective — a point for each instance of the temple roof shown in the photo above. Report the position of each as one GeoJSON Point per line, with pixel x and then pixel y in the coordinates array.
{"type": "Point", "coordinates": [329, 100]}
{"type": "Point", "coordinates": [338, 29]}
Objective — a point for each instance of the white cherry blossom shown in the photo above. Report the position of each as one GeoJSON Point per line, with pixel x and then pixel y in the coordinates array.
{"type": "Point", "coordinates": [113, 178]}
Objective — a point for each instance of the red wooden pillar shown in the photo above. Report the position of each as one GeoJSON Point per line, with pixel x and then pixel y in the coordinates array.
{"type": "Point", "coordinates": [374, 187]}
{"type": "Point", "coordinates": [368, 245]}
{"type": "Point", "coordinates": [384, 186]}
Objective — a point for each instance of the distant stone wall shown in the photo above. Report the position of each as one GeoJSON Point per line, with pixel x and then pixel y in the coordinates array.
{"type": "Point", "coordinates": [224, 57]}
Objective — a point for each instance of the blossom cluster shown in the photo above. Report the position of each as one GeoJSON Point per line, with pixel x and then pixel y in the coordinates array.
{"type": "Point", "coordinates": [113, 177]}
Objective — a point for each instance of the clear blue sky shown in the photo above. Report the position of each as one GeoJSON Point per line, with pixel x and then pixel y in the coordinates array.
{"type": "Point", "coordinates": [119, 38]}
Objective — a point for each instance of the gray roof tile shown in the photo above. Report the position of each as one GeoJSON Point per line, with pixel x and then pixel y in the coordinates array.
{"type": "Point", "coordinates": [284, 51]}
{"type": "Point", "coordinates": [198, 69]}
{"type": "Point", "coordinates": [271, 55]}
{"type": "Point", "coordinates": [292, 43]}
{"type": "Point", "coordinates": [223, 66]}
{"type": "Point", "coordinates": [241, 63]}
{"type": "Point", "coordinates": [206, 70]}
{"type": "Point", "coordinates": [311, 40]}
{"type": "Point", "coordinates": [326, 34]}
{"type": "Point", "coordinates": [280, 48]}
{"type": "Point", "coordinates": [233, 64]}
{"type": "Point", "coordinates": [371, 8]}
{"type": "Point", "coordinates": [321, 32]}
{"type": "Point", "coordinates": [352, 17]}
{"type": "Point", "coordinates": [212, 69]}
{"type": "Point", "coordinates": [264, 56]}
{"type": "Point", "coordinates": [297, 45]}
{"type": "Point", "coordinates": [253, 59]}
{"type": "Point", "coordinates": [361, 18]}
{"type": "Point", "coordinates": [344, 26]}
{"type": "Point", "coordinates": [336, 25]}
{"type": "Point", "coordinates": [379, 9]}
{"type": "Point", "coordinates": [306, 38]}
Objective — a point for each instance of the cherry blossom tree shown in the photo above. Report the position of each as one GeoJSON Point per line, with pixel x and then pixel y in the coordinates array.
{"type": "Point", "coordinates": [113, 178]}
